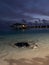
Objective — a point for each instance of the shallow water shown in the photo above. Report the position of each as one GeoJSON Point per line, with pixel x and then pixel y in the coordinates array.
{"type": "Point", "coordinates": [10, 37]}
{"type": "Point", "coordinates": [13, 36]}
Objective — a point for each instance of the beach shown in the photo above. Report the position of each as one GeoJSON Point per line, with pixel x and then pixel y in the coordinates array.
{"type": "Point", "coordinates": [24, 32]}
{"type": "Point", "coordinates": [10, 55]}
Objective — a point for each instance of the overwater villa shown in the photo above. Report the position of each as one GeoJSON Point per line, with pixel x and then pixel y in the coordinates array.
{"type": "Point", "coordinates": [25, 25]}
{"type": "Point", "coordinates": [19, 26]}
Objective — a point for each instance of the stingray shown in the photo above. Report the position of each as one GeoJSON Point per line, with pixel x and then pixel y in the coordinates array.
{"type": "Point", "coordinates": [22, 44]}
{"type": "Point", "coordinates": [30, 44]}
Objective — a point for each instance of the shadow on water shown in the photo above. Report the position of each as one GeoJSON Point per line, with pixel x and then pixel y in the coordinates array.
{"type": "Point", "coordinates": [34, 61]}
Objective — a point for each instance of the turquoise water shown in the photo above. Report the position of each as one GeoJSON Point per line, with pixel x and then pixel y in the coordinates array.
{"type": "Point", "coordinates": [23, 35]}
{"type": "Point", "coordinates": [7, 38]}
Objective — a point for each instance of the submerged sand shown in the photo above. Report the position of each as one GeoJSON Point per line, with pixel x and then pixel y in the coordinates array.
{"type": "Point", "coordinates": [24, 56]}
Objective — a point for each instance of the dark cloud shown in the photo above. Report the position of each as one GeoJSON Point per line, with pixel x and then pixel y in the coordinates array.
{"type": "Point", "coordinates": [16, 8]}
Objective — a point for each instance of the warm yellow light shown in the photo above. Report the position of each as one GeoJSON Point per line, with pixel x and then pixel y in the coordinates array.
{"type": "Point", "coordinates": [23, 25]}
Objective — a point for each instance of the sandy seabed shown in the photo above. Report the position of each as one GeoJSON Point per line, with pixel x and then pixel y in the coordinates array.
{"type": "Point", "coordinates": [24, 56]}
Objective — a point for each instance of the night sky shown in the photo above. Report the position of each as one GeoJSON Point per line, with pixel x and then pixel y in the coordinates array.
{"type": "Point", "coordinates": [17, 9]}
